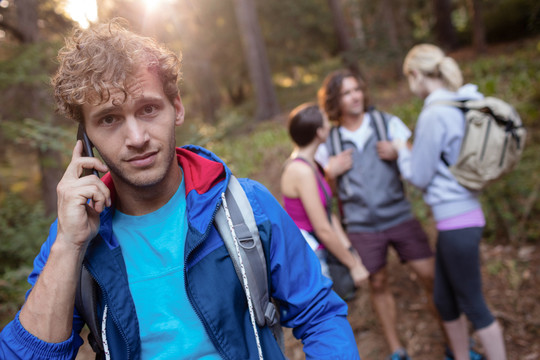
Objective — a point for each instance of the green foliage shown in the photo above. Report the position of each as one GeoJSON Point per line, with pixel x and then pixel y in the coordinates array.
{"type": "Point", "coordinates": [23, 228]}
{"type": "Point", "coordinates": [36, 134]}
{"type": "Point", "coordinates": [297, 33]}
{"type": "Point", "coordinates": [13, 286]}
{"type": "Point", "coordinates": [27, 65]}
{"type": "Point", "coordinates": [247, 155]}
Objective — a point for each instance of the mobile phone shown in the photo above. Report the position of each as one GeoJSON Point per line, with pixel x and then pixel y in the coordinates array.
{"type": "Point", "coordinates": [87, 148]}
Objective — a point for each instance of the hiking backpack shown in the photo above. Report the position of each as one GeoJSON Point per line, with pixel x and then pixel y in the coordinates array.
{"type": "Point", "coordinates": [236, 224]}
{"type": "Point", "coordinates": [493, 142]}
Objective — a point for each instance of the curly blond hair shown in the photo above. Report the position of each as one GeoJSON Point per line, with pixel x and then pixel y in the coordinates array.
{"type": "Point", "coordinates": [104, 57]}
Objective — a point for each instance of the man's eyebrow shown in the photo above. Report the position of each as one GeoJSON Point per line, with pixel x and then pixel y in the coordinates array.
{"type": "Point", "coordinates": [105, 111]}
{"type": "Point", "coordinates": [148, 98]}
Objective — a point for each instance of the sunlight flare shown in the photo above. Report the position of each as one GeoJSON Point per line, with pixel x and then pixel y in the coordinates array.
{"type": "Point", "coordinates": [82, 11]}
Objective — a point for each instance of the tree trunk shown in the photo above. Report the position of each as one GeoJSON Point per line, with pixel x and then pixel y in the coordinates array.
{"type": "Point", "coordinates": [388, 16]}
{"type": "Point", "coordinates": [343, 37]}
{"type": "Point", "coordinates": [27, 20]}
{"type": "Point", "coordinates": [207, 96]}
{"type": "Point", "coordinates": [358, 24]}
{"type": "Point", "coordinates": [49, 160]}
{"type": "Point", "coordinates": [257, 60]}
{"type": "Point", "coordinates": [477, 18]}
{"type": "Point", "coordinates": [444, 29]}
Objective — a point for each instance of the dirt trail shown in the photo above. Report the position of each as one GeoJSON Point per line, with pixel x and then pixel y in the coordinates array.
{"type": "Point", "coordinates": [511, 281]}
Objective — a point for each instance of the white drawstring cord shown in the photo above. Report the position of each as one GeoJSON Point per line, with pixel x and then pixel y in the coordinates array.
{"type": "Point", "coordinates": [104, 334]}
{"type": "Point", "coordinates": [244, 276]}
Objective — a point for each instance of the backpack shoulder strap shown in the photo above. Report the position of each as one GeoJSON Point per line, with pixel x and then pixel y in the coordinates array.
{"type": "Point", "coordinates": [463, 105]}
{"type": "Point", "coordinates": [318, 177]}
{"type": "Point", "coordinates": [252, 254]}
{"type": "Point", "coordinates": [336, 144]}
{"type": "Point", "coordinates": [86, 305]}
{"type": "Point", "coordinates": [381, 128]}
{"type": "Point", "coordinates": [336, 147]}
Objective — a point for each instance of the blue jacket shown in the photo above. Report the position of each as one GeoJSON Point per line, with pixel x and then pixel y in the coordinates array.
{"type": "Point", "coordinates": [307, 303]}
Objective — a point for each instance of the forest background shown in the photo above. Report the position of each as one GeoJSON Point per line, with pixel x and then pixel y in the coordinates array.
{"type": "Point", "coordinates": [246, 64]}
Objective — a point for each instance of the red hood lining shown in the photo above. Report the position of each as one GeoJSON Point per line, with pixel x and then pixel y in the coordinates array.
{"type": "Point", "coordinates": [200, 173]}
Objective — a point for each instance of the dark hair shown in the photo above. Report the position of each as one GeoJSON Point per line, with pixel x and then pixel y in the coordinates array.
{"type": "Point", "coordinates": [304, 121]}
{"type": "Point", "coordinates": [329, 95]}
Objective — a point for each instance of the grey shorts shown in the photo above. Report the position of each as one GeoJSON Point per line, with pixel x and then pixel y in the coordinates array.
{"type": "Point", "coordinates": [408, 239]}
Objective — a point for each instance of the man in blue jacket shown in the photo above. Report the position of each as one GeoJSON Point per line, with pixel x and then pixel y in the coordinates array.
{"type": "Point", "coordinates": [145, 231]}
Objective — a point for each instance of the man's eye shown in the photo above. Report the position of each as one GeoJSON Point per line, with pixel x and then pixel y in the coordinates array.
{"type": "Point", "coordinates": [149, 109]}
{"type": "Point", "coordinates": [108, 120]}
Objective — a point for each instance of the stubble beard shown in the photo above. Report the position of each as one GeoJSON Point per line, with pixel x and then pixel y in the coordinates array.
{"type": "Point", "coordinates": [141, 182]}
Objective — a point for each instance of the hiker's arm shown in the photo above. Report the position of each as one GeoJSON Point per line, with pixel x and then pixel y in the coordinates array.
{"type": "Point", "coordinates": [419, 164]}
{"type": "Point", "coordinates": [48, 311]}
{"type": "Point", "coordinates": [359, 272]}
{"type": "Point", "coordinates": [308, 190]}
{"type": "Point", "coordinates": [307, 303]}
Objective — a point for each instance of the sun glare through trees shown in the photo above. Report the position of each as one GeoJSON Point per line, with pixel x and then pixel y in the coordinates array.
{"type": "Point", "coordinates": [82, 11]}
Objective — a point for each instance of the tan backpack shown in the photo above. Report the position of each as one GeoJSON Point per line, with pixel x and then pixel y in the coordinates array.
{"type": "Point", "coordinates": [493, 142]}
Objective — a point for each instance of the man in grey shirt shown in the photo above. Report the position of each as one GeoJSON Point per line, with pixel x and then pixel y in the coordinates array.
{"type": "Point", "coordinates": [375, 211]}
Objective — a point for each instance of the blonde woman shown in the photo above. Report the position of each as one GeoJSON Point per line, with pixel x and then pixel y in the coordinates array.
{"type": "Point", "coordinates": [436, 78]}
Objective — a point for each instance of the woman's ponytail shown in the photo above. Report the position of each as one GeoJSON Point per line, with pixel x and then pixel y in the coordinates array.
{"type": "Point", "coordinates": [450, 73]}
{"type": "Point", "coordinates": [431, 61]}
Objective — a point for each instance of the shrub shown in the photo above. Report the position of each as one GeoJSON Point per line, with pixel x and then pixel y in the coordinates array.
{"type": "Point", "coordinates": [23, 228]}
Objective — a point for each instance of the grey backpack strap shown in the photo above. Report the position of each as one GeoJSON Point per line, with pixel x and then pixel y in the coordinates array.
{"type": "Point", "coordinates": [380, 124]}
{"type": "Point", "coordinates": [252, 253]}
{"type": "Point", "coordinates": [336, 147]}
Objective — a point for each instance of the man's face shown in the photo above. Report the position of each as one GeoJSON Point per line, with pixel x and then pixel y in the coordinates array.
{"type": "Point", "coordinates": [352, 98]}
{"type": "Point", "coordinates": [136, 137]}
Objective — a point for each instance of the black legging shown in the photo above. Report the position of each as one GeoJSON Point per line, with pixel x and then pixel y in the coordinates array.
{"type": "Point", "coordinates": [458, 283]}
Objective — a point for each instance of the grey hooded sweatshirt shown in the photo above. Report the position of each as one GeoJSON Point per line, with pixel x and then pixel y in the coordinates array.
{"type": "Point", "coordinates": [439, 130]}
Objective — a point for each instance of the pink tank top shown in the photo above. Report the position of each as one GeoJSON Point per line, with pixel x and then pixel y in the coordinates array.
{"type": "Point", "coordinates": [295, 208]}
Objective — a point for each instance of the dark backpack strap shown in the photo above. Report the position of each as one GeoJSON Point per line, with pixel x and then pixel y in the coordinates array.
{"type": "Point", "coordinates": [86, 299]}
{"type": "Point", "coordinates": [336, 143]}
{"type": "Point", "coordinates": [321, 185]}
{"type": "Point", "coordinates": [443, 159]}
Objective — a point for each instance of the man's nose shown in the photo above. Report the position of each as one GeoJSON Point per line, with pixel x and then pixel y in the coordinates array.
{"type": "Point", "coordinates": [136, 133]}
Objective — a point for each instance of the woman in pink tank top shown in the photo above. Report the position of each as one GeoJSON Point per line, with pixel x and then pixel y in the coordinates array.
{"type": "Point", "coordinates": [307, 196]}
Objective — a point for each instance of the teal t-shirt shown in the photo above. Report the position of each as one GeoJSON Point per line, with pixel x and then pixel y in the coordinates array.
{"type": "Point", "coordinates": [153, 250]}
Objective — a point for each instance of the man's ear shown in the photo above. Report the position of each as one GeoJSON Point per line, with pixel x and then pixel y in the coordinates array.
{"type": "Point", "coordinates": [179, 110]}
